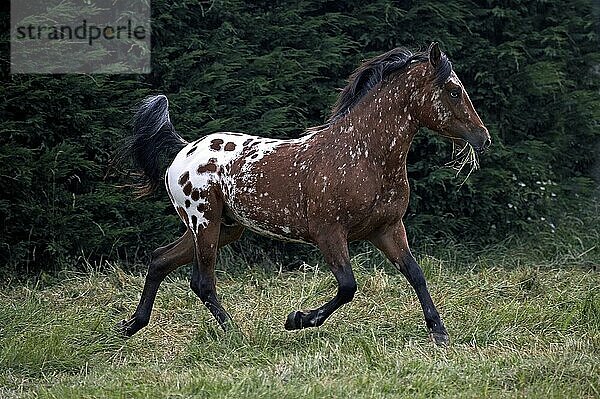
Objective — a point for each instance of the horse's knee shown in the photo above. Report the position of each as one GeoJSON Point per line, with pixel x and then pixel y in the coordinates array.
{"type": "Point", "coordinates": [346, 291]}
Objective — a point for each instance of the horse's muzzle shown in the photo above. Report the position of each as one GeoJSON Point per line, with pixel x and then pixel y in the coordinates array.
{"type": "Point", "coordinates": [486, 144]}
{"type": "Point", "coordinates": [480, 139]}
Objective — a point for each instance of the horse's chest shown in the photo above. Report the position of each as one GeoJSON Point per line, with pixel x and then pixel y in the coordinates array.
{"type": "Point", "coordinates": [389, 205]}
{"type": "Point", "coordinates": [386, 207]}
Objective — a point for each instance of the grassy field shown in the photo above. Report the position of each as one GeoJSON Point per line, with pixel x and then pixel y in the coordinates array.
{"type": "Point", "coordinates": [524, 321]}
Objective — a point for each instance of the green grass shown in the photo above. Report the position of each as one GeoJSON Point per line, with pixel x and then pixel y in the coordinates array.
{"type": "Point", "coordinates": [524, 321]}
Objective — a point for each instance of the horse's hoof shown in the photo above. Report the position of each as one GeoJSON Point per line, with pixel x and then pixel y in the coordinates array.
{"type": "Point", "coordinates": [126, 327]}
{"type": "Point", "coordinates": [294, 320]}
{"type": "Point", "coordinates": [440, 339]}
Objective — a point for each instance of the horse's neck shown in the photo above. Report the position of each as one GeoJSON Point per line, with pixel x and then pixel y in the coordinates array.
{"type": "Point", "coordinates": [380, 129]}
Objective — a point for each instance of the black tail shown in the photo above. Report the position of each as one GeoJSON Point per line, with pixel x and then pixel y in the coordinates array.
{"type": "Point", "coordinates": [154, 139]}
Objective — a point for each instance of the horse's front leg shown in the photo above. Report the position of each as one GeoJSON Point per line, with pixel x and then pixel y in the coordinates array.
{"type": "Point", "coordinates": [393, 243]}
{"type": "Point", "coordinates": [334, 246]}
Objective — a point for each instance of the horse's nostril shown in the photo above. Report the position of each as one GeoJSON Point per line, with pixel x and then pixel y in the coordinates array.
{"type": "Point", "coordinates": [486, 143]}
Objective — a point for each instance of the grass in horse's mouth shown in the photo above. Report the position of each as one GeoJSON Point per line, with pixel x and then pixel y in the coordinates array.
{"type": "Point", "coordinates": [462, 156]}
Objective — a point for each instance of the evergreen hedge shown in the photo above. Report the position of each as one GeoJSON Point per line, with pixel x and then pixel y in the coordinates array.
{"type": "Point", "coordinates": [273, 68]}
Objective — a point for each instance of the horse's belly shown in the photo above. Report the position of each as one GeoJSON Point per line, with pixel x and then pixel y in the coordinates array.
{"type": "Point", "coordinates": [268, 220]}
{"type": "Point", "coordinates": [282, 233]}
{"type": "Point", "coordinates": [268, 203]}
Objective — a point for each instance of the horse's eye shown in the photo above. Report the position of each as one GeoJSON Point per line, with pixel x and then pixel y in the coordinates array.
{"type": "Point", "coordinates": [455, 93]}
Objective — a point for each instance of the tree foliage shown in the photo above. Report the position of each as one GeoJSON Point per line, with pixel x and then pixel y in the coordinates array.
{"type": "Point", "coordinates": [273, 68]}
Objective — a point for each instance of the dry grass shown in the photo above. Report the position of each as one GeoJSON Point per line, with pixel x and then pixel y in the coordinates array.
{"type": "Point", "coordinates": [462, 156]}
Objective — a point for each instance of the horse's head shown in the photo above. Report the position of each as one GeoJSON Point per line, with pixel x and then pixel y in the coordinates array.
{"type": "Point", "coordinates": [444, 104]}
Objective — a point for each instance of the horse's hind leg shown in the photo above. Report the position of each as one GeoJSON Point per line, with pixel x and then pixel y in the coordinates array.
{"type": "Point", "coordinates": [203, 280]}
{"type": "Point", "coordinates": [164, 261]}
{"type": "Point", "coordinates": [394, 245]}
{"type": "Point", "coordinates": [334, 247]}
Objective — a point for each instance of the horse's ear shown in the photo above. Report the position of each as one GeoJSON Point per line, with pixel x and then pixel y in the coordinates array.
{"type": "Point", "coordinates": [435, 55]}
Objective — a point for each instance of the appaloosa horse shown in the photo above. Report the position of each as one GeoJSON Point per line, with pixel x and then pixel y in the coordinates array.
{"type": "Point", "coordinates": [345, 180]}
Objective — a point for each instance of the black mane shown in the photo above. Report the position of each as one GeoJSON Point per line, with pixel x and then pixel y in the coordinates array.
{"type": "Point", "coordinates": [373, 71]}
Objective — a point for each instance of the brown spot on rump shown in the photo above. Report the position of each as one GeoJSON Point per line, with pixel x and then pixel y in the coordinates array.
{"type": "Point", "coordinates": [230, 146]}
{"type": "Point", "coordinates": [187, 189]}
{"type": "Point", "coordinates": [201, 207]}
{"type": "Point", "coordinates": [187, 203]}
{"type": "Point", "coordinates": [195, 195]}
{"type": "Point", "coordinates": [215, 144]}
{"type": "Point", "coordinates": [184, 178]}
{"type": "Point", "coordinates": [211, 167]}
{"type": "Point", "coordinates": [190, 152]}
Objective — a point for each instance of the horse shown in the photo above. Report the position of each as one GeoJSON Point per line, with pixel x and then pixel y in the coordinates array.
{"type": "Point", "coordinates": [343, 181]}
